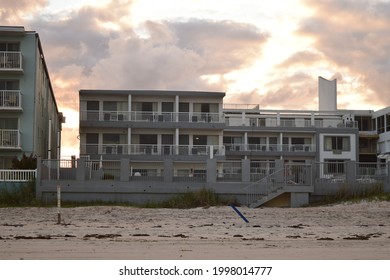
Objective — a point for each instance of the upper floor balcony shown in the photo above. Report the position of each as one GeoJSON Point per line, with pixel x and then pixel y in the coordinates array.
{"type": "Point", "coordinates": [10, 100]}
{"type": "Point", "coordinates": [142, 116]}
{"type": "Point", "coordinates": [284, 122]}
{"type": "Point", "coordinates": [152, 150]}
{"type": "Point", "coordinates": [307, 148]}
{"type": "Point", "coordinates": [11, 61]}
{"type": "Point", "coordinates": [10, 139]}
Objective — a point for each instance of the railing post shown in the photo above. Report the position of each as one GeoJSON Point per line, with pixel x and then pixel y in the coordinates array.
{"type": "Point", "coordinates": [279, 176]}
{"type": "Point", "coordinates": [125, 171]}
{"type": "Point", "coordinates": [211, 175]}
{"type": "Point", "coordinates": [350, 172]}
{"type": "Point", "coordinates": [245, 170]}
{"type": "Point", "coordinates": [168, 170]}
{"type": "Point", "coordinates": [38, 178]}
{"type": "Point", "coordinates": [80, 170]}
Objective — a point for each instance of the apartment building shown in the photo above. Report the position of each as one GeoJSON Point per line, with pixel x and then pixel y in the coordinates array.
{"type": "Point", "coordinates": [190, 127]}
{"type": "Point", "coordinates": [152, 126]}
{"type": "Point", "coordinates": [30, 122]}
{"type": "Point", "coordinates": [147, 145]}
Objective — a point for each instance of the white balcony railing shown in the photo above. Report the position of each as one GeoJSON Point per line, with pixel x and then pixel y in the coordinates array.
{"type": "Point", "coordinates": [10, 99]}
{"type": "Point", "coordinates": [10, 60]}
{"type": "Point", "coordinates": [9, 138]}
{"type": "Point", "coordinates": [139, 116]}
{"type": "Point", "coordinates": [238, 120]}
{"type": "Point", "coordinates": [146, 149]}
{"type": "Point", "coordinates": [270, 148]}
{"type": "Point", "coordinates": [9, 175]}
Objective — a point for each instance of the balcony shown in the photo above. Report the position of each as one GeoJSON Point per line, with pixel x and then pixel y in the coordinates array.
{"type": "Point", "coordinates": [271, 122]}
{"type": "Point", "coordinates": [270, 148]}
{"type": "Point", "coordinates": [10, 100]}
{"type": "Point", "coordinates": [139, 116]}
{"type": "Point", "coordinates": [152, 149]}
{"type": "Point", "coordinates": [10, 139]}
{"type": "Point", "coordinates": [11, 61]}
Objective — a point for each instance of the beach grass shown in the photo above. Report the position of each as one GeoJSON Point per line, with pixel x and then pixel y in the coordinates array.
{"type": "Point", "coordinates": [372, 193]}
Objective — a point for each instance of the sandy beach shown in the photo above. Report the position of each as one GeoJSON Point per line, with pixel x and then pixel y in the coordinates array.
{"type": "Point", "coordinates": [335, 232]}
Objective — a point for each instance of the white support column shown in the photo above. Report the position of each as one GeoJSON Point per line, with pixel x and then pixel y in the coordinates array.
{"type": "Point", "coordinates": [129, 107]}
{"type": "Point", "coordinates": [177, 108]}
{"type": "Point", "coordinates": [129, 141]}
{"type": "Point", "coordinates": [243, 118]}
{"type": "Point", "coordinates": [245, 141]}
{"type": "Point", "coordinates": [177, 131]}
{"type": "Point", "coordinates": [313, 123]}
{"type": "Point", "coordinates": [280, 142]}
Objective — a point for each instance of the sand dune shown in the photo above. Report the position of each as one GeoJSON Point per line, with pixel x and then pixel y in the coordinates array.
{"type": "Point", "coordinates": [342, 231]}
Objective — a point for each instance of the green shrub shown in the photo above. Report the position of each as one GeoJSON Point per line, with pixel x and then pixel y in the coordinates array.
{"type": "Point", "coordinates": [19, 196]}
{"type": "Point", "coordinates": [201, 198]}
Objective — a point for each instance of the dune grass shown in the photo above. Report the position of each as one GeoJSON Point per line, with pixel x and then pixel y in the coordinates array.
{"type": "Point", "coordinates": [373, 193]}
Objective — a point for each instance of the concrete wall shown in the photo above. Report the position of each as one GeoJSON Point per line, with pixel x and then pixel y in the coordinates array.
{"type": "Point", "coordinates": [140, 190]}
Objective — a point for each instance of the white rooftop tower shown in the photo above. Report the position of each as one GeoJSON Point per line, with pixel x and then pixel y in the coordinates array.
{"type": "Point", "coordinates": [327, 94]}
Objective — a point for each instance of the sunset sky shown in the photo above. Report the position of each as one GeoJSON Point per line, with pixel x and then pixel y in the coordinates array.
{"type": "Point", "coordinates": [259, 52]}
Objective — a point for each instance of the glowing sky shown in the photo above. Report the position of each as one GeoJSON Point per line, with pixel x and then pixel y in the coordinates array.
{"type": "Point", "coordinates": [260, 52]}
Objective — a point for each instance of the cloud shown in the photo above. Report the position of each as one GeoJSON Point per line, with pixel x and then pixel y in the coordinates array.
{"type": "Point", "coordinates": [82, 36]}
{"type": "Point", "coordinates": [12, 12]}
{"type": "Point", "coordinates": [168, 55]}
{"type": "Point", "coordinates": [225, 45]}
{"type": "Point", "coordinates": [176, 55]}
{"type": "Point", "coordinates": [298, 91]}
{"type": "Point", "coordinates": [354, 35]}
{"type": "Point", "coordinates": [303, 58]}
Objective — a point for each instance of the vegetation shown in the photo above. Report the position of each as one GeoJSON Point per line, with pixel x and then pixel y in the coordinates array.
{"type": "Point", "coordinates": [201, 198]}
{"type": "Point", "coordinates": [26, 162]}
{"type": "Point", "coordinates": [25, 196]}
{"type": "Point", "coordinates": [18, 196]}
{"type": "Point", "coordinates": [373, 193]}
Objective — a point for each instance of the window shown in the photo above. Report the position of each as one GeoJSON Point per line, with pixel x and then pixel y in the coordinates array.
{"type": "Point", "coordinates": [9, 84]}
{"type": "Point", "coordinates": [334, 166]}
{"type": "Point", "coordinates": [92, 141]}
{"type": "Point", "coordinates": [9, 47]}
{"type": "Point", "coordinates": [337, 143]}
{"type": "Point", "coordinates": [381, 124]}
{"type": "Point", "coordinates": [8, 123]}
{"type": "Point", "coordinates": [93, 110]}
{"type": "Point", "coordinates": [364, 123]}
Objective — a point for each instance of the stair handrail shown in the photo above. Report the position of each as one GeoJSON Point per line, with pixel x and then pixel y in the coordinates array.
{"type": "Point", "coordinates": [258, 184]}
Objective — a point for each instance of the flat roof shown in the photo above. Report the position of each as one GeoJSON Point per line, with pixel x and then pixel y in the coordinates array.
{"type": "Point", "coordinates": [11, 30]}
{"type": "Point", "coordinates": [152, 92]}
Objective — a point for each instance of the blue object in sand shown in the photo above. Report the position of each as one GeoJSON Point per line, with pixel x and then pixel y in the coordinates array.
{"type": "Point", "coordinates": [239, 213]}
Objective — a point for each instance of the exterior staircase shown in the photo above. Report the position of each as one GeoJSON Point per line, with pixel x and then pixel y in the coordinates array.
{"type": "Point", "coordinates": [283, 180]}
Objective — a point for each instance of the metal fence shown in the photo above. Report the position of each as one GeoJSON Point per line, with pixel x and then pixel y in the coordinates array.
{"type": "Point", "coordinates": [229, 171]}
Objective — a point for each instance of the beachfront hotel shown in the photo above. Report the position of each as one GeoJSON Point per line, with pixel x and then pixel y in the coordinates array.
{"type": "Point", "coordinates": [30, 122]}
{"type": "Point", "coordinates": [147, 145]}
{"type": "Point", "coordinates": [190, 127]}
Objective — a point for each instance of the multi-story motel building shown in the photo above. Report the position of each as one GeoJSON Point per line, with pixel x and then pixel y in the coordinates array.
{"type": "Point", "coordinates": [141, 145]}
{"type": "Point", "coordinates": [30, 122]}
{"type": "Point", "coordinates": [144, 145]}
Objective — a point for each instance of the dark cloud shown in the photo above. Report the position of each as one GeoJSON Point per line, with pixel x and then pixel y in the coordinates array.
{"type": "Point", "coordinates": [354, 35]}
